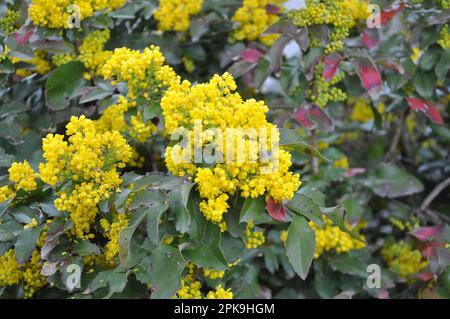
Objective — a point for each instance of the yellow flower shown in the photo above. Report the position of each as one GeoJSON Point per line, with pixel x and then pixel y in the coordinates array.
{"type": "Point", "coordinates": [332, 238]}
{"type": "Point", "coordinates": [214, 105]}
{"type": "Point", "coordinates": [444, 37]}
{"type": "Point", "coordinates": [403, 259]}
{"type": "Point", "coordinates": [253, 239]}
{"type": "Point", "coordinates": [342, 15]}
{"type": "Point", "coordinates": [23, 176]}
{"type": "Point", "coordinates": [253, 19]}
{"type": "Point", "coordinates": [112, 232]}
{"type": "Point", "coordinates": [342, 162]}
{"type": "Point", "coordinates": [362, 112]}
{"type": "Point", "coordinates": [415, 55]}
{"type": "Point", "coordinates": [220, 293]}
{"type": "Point", "coordinates": [213, 274]}
{"type": "Point", "coordinates": [61, 13]}
{"type": "Point", "coordinates": [174, 15]}
{"type": "Point", "coordinates": [8, 23]}
{"type": "Point", "coordinates": [10, 272]}
{"type": "Point", "coordinates": [89, 160]}
{"type": "Point", "coordinates": [91, 50]}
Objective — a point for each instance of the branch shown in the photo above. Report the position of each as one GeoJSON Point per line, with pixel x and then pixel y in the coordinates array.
{"type": "Point", "coordinates": [436, 191]}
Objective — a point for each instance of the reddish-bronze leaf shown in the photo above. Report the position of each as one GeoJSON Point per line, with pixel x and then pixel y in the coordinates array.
{"type": "Point", "coordinates": [275, 210]}
{"type": "Point", "coordinates": [332, 62]}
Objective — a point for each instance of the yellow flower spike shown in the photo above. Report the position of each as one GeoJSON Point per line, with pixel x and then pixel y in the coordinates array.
{"type": "Point", "coordinates": [174, 15]}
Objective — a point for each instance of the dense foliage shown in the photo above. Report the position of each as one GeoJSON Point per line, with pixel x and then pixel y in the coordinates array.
{"type": "Point", "coordinates": [350, 180]}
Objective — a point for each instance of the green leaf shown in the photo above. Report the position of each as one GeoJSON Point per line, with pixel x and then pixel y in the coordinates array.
{"type": "Point", "coordinates": [300, 245]}
{"type": "Point", "coordinates": [208, 253]}
{"type": "Point", "coordinates": [178, 203]}
{"type": "Point", "coordinates": [294, 140]}
{"type": "Point", "coordinates": [13, 107]}
{"type": "Point", "coordinates": [443, 66]}
{"type": "Point", "coordinates": [86, 248]}
{"type": "Point", "coordinates": [63, 83]}
{"type": "Point", "coordinates": [26, 243]}
{"type": "Point", "coordinates": [254, 209]}
{"type": "Point", "coordinates": [425, 83]}
{"type": "Point", "coordinates": [154, 213]}
{"type": "Point", "coordinates": [306, 206]}
{"type": "Point", "coordinates": [127, 233]}
{"type": "Point", "coordinates": [391, 181]}
{"type": "Point", "coordinates": [167, 265]}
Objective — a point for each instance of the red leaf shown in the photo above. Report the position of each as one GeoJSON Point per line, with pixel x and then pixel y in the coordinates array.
{"type": "Point", "coordinates": [416, 104]}
{"type": "Point", "coordinates": [425, 233]}
{"type": "Point", "coordinates": [434, 115]}
{"type": "Point", "coordinates": [370, 38]}
{"type": "Point", "coordinates": [429, 251]}
{"type": "Point", "coordinates": [251, 55]}
{"type": "Point", "coordinates": [383, 294]}
{"type": "Point", "coordinates": [310, 115]}
{"type": "Point", "coordinates": [427, 108]}
{"type": "Point", "coordinates": [370, 77]}
{"type": "Point", "coordinates": [301, 115]}
{"type": "Point", "coordinates": [354, 171]}
{"type": "Point", "coordinates": [276, 210]}
{"type": "Point", "coordinates": [425, 276]}
{"type": "Point", "coordinates": [22, 40]}
{"type": "Point", "coordinates": [388, 14]}
{"type": "Point", "coordinates": [331, 65]}
{"type": "Point", "coordinates": [273, 9]}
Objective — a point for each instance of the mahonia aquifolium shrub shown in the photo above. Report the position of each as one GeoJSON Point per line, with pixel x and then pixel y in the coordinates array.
{"type": "Point", "coordinates": [98, 97]}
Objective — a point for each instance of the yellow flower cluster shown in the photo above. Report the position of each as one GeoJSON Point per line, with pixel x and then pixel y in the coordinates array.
{"type": "Point", "coordinates": [11, 273]}
{"type": "Point", "coordinates": [253, 19]}
{"type": "Point", "coordinates": [5, 193]}
{"type": "Point", "coordinates": [191, 287]}
{"type": "Point", "coordinates": [407, 225]}
{"type": "Point", "coordinates": [213, 106]}
{"type": "Point", "coordinates": [41, 65]}
{"type": "Point", "coordinates": [362, 112]}
{"type": "Point", "coordinates": [324, 91]}
{"type": "Point", "coordinates": [89, 161]}
{"type": "Point", "coordinates": [253, 239]}
{"type": "Point", "coordinates": [342, 15]}
{"type": "Point", "coordinates": [61, 59]}
{"type": "Point", "coordinates": [174, 15]}
{"type": "Point", "coordinates": [213, 274]}
{"type": "Point", "coordinates": [32, 276]}
{"type": "Point", "coordinates": [403, 259]}
{"type": "Point", "coordinates": [331, 238]}
{"type": "Point", "coordinates": [144, 72]}
{"type": "Point", "coordinates": [61, 13]}
{"type": "Point", "coordinates": [112, 232]}
{"type": "Point", "coordinates": [220, 293]}
{"type": "Point", "coordinates": [8, 23]}
{"type": "Point", "coordinates": [341, 162]}
{"type": "Point", "coordinates": [91, 50]}
{"type": "Point", "coordinates": [23, 176]}
{"type": "Point", "coordinates": [444, 37]}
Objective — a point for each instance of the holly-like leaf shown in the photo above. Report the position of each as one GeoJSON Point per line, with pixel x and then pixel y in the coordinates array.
{"type": "Point", "coordinates": [332, 62]}
{"type": "Point", "coordinates": [63, 83]}
{"type": "Point", "coordinates": [208, 253]}
{"type": "Point", "coordinates": [391, 181]}
{"type": "Point", "coordinates": [26, 243]}
{"type": "Point", "coordinates": [167, 265]}
{"type": "Point", "coordinates": [276, 210]}
{"type": "Point", "coordinates": [254, 209]}
{"type": "Point", "coordinates": [369, 76]}
{"type": "Point", "coordinates": [300, 245]}
{"type": "Point", "coordinates": [427, 108]}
